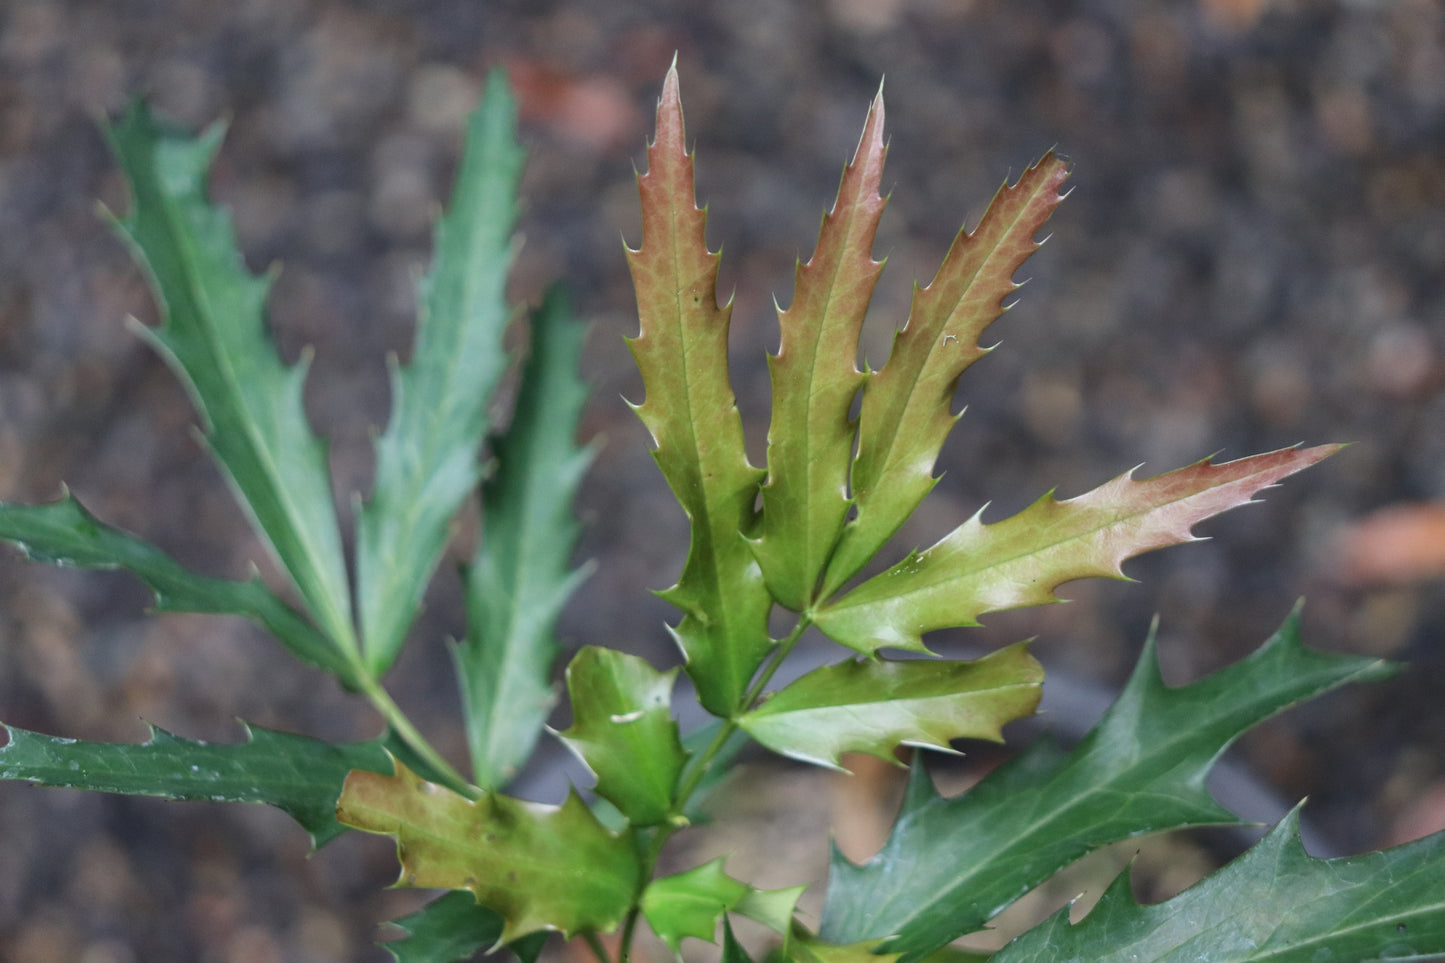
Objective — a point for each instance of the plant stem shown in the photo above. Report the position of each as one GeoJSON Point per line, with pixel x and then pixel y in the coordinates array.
{"type": "Point", "coordinates": [402, 726]}
{"type": "Point", "coordinates": [594, 943]}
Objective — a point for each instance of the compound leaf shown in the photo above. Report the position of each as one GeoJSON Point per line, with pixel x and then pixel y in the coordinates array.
{"type": "Point", "coordinates": [213, 334]}
{"type": "Point", "coordinates": [622, 728]}
{"type": "Point", "coordinates": [1275, 903]}
{"type": "Point", "coordinates": [1017, 562]}
{"type": "Point", "coordinates": [815, 379]}
{"type": "Point", "coordinates": [950, 865]}
{"type": "Point", "coordinates": [539, 867]}
{"type": "Point", "coordinates": [298, 775]}
{"type": "Point", "coordinates": [906, 410]}
{"type": "Point", "coordinates": [427, 461]}
{"type": "Point", "coordinates": [65, 533]}
{"type": "Point", "coordinates": [681, 350]}
{"type": "Point", "coordinates": [519, 579]}
{"type": "Point", "coordinates": [874, 706]}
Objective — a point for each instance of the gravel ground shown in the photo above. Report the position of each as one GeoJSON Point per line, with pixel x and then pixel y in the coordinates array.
{"type": "Point", "coordinates": [1251, 258]}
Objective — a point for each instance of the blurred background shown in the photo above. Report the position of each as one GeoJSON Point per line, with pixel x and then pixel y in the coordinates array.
{"type": "Point", "coordinates": [1251, 257]}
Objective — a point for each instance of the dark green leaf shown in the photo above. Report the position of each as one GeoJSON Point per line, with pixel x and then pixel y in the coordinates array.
{"type": "Point", "coordinates": [951, 864]}
{"type": "Point", "coordinates": [427, 461]}
{"type": "Point", "coordinates": [298, 775]}
{"type": "Point", "coordinates": [449, 929]}
{"type": "Point", "coordinates": [519, 579]}
{"type": "Point", "coordinates": [1275, 903]}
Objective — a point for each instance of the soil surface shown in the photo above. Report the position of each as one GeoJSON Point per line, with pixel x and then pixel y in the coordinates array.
{"type": "Point", "coordinates": [1253, 256]}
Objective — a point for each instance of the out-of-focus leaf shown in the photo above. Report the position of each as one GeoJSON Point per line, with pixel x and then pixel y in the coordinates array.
{"type": "Point", "coordinates": [689, 408]}
{"type": "Point", "coordinates": [452, 928]}
{"type": "Point", "coordinates": [300, 776]}
{"type": "Point", "coordinates": [427, 461]}
{"type": "Point", "coordinates": [873, 706]}
{"type": "Point", "coordinates": [519, 578]}
{"type": "Point", "coordinates": [539, 867]}
{"type": "Point", "coordinates": [950, 865]}
{"type": "Point", "coordinates": [622, 728]}
{"type": "Point", "coordinates": [1275, 903]}
{"type": "Point", "coordinates": [214, 336]}
{"type": "Point", "coordinates": [906, 411]}
{"type": "Point", "coordinates": [815, 379]}
{"type": "Point", "coordinates": [65, 533]}
{"type": "Point", "coordinates": [1016, 562]}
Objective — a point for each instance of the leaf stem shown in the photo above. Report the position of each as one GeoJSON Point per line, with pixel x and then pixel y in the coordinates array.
{"type": "Point", "coordinates": [403, 727]}
{"type": "Point", "coordinates": [594, 943]}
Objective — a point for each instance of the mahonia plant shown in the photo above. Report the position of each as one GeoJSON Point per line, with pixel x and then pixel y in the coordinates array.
{"type": "Point", "coordinates": [794, 536]}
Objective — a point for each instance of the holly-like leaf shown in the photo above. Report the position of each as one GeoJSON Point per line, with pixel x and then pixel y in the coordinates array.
{"type": "Point", "coordinates": [300, 776]}
{"type": "Point", "coordinates": [622, 728]}
{"type": "Point", "coordinates": [1275, 903]}
{"type": "Point", "coordinates": [874, 706]}
{"type": "Point", "coordinates": [452, 928]}
{"type": "Point", "coordinates": [950, 865]}
{"type": "Point", "coordinates": [906, 411]}
{"type": "Point", "coordinates": [691, 903]}
{"type": "Point", "coordinates": [1019, 561]}
{"type": "Point", "coordinates": [214, 336]}
{"type": "Point", "coordinates": [690, 410]}
{"type": "Point", "coordinates": [427, 461]}
{"type": "Point", "coordinates": [539, 867]}
{"type": "Point", "coordinates": [815, 380]}
{"type": "Point", "coordinates": [63, 532]}
{"type": "Point", "coordinates": [519, 578]}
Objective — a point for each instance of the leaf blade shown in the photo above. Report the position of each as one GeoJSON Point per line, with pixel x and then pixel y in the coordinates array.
{"type": "Point", "coordinates": [875, 706]}
{"type": "Point", "coordinates": [519, 579]}
{"type": "Point", "coordinates": [428, 459]}
{"type": "Point", "coordinates": [905, 414]}
{"type": "Point", "coordinates": [952, 864]}
{"type": "Point", "coordinates": [690, 410]}
{"type": "Point", "coordinates": [1275, 903]}
{"type": "Point", "coordinates": [213, 335]}
{"type": "Point", "coordinates": [1018, 561]}
{"type": "Point", "coordinates": [298, 775]}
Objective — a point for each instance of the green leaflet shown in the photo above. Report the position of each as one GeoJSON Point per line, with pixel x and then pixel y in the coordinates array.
{"type": "Point", "coordinates": [65, 533]}
{"type": "Point", "coordinates": [214, 336]}
{"type": "Point", "coordinates": [300, 776]}
{"type": "Point", "coordinates": [906, 410]}
{"type": "Point", "coordinates": [622, 728]}
{"type": "Point", "coordinates": [815, 378]}
{"type": "Point", "coordinates": [692, 903]}
{"type": "Point", "coordinates": [518, 580]}
{"type": "Point", "coordinates": [1275, 903]}
{"type": "Point", "coordinates": [452, 928]}
{"type": "Point", "coordinates": [539, 867]}
{"type": "Point", "coordinates": [875, 706]}
{"type": "Point", "coordinates": [427, 460]}
{"type": "Point", "coordinates": [1019, 561]}
{"type": "Point", "coordinates": [681, 350]}
{"type": "Point", "coordinates": [951, 864]}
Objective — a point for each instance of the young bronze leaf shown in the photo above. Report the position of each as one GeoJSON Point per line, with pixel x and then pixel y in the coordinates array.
{"type": "Point", "coordinates": [874, 706]}
{"type": "Point", "coordinates": [815, 378]}
{"type": "Point", "coordinates": [906, 412]}
{"type": "Point", "coordinates": [1019, 561]}
{"type": "Point", "coordinates": [540, 867]}
{"type": "Point", "coordinates": [690, 410]}
{"type": "Point", "coordinates": [214, 336]}
{"type": "Point", "coordinates": [622, 727]}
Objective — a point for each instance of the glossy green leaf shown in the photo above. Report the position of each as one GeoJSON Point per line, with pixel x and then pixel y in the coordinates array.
{"type": "Point", "coordinates": [950, 865]}
{"type": "Point", "coordinates": [300, 776]}
{"type": "Point", "coordinates": [519, 579]}
{"type": "Point", "coordinates": [691, 903]}
{"type": "Point", "coordinates": [1016, 562]}
{"type": "Point", "coordinates": [815, 380]}
{"type": "Point", "coordinates": [622, 728]}
{"type": "Point", "coordinates": [427, 461]}
{"type": "Point", "coordinates": [65, 533]}
{"type": "Point", "coordinates": [873, 706]}
{"type": "Point", "coordinates": [1275, 903]}
{"type": "Point", "coordinates": [906, 411]}
{"type": "Point", "coordinates": [452, 928]}
{"type": "Point", "coordinates": [539, 867]}
{"type": "Point", "coordinates": [214, 335]}
{"type": "Point", "coordinates": [689, 408]}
